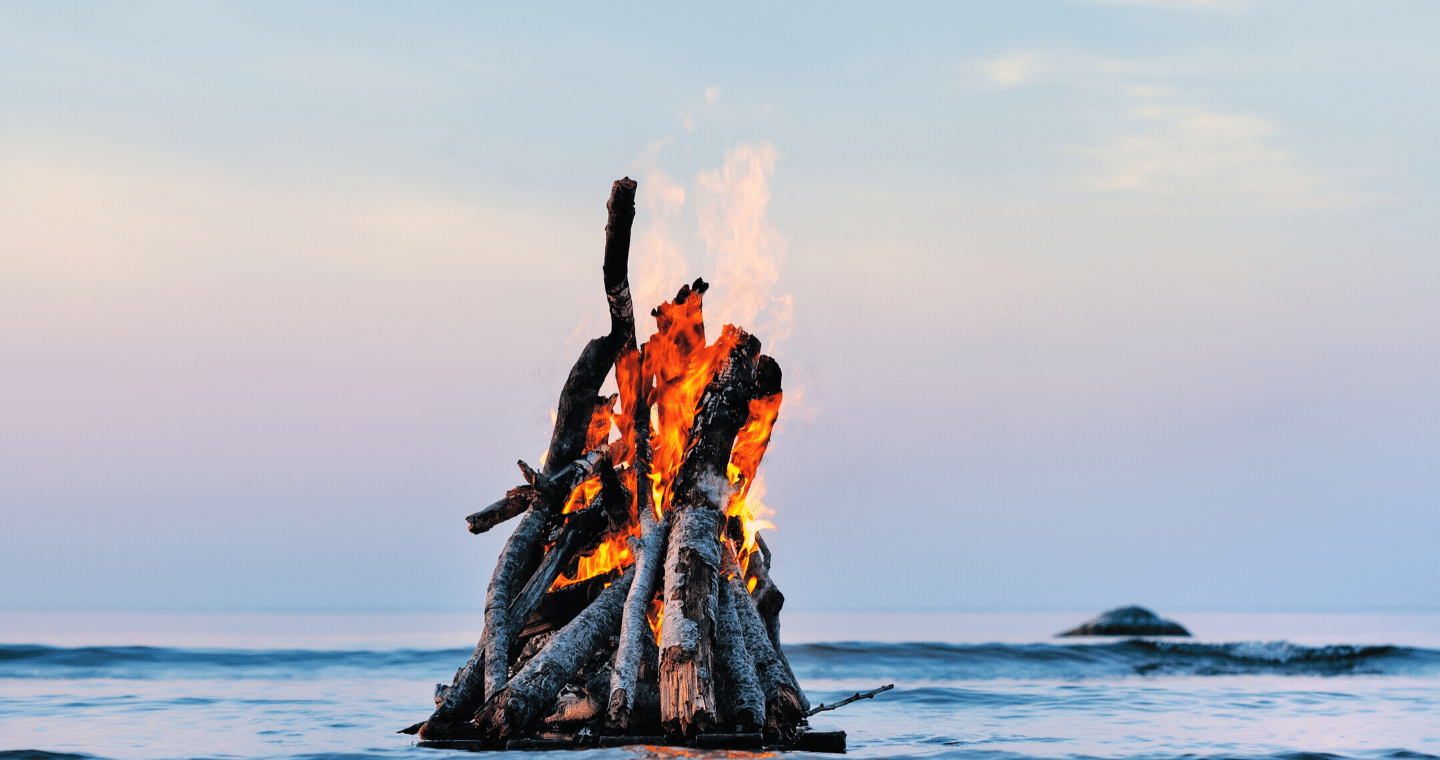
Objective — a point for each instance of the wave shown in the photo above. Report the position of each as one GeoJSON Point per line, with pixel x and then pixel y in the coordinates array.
{"type": "Point", "coordinates": [1147, 657]}
{"type": "Point", "coordinates": [901, 662]}
{"type": "Point", "coordinates": [138, 662]}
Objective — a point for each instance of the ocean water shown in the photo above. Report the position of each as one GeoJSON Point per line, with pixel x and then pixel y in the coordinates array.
{"type": "Point", "coordinates": [161, 687]}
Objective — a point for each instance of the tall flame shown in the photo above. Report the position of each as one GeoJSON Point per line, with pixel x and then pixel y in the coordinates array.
{"type": "Point", "coordinates": [730, 211]}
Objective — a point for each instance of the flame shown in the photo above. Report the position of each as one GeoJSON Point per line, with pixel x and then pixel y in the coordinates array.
{"type": "Point", "coordinates": [675, 367]}
{"type": "Point", "coordinates": [600, 423]}
{"type": "Point", "coordinates": [676, 363]}
{"type": "Point", "coordinates": [614, 552]}
{"type": "Point", "coordinates": [656, 615]}
{"type": "Point", "coordinates": [582, 495]}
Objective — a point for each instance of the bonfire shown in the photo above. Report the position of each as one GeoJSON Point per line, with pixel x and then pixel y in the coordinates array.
{"type": "Point", "coordinates": [633, 602]}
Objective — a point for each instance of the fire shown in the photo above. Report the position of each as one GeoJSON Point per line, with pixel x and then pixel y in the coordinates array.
{"type": "Point", "coordinates": [656, 615]}
{"type": "Point", "coordinates": [674, 368]}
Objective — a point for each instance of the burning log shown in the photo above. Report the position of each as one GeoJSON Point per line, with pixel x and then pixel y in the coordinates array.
{"type": "Point", "coordinates": [687, 688]}
{"type": "Point", "coordinates": [521, 498]}
{"type": "Point", "coordinates": [649, 555]}
{"type": "Point", "coordinates": [605, 524]}
{"type": "Point", "coordinates": [580, 529]}
{"type": "Point", "coordinates": [526, 697]}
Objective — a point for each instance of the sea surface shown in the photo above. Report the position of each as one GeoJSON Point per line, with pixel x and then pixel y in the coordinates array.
{"type": "Point", "coordinates": [991, 686]}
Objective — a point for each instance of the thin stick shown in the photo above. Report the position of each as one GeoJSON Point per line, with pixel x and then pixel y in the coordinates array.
{"type": "Point", "coordinates": [858, 696]}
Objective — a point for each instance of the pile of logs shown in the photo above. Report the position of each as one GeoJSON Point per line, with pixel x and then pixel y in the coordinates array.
{"type": "Point", "coordinates": [579, 663]}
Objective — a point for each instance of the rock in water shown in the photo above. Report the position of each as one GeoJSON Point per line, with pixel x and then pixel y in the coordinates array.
{"type": "Point", "coordinates": [1128, 621]}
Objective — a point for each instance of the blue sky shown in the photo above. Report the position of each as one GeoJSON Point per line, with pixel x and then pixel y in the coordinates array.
{"type": "Point", "coordinates": [1088, 303]}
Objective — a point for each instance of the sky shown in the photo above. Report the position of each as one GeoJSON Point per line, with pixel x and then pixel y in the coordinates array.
{"type": "Point", "coordinates": [1079, 304]}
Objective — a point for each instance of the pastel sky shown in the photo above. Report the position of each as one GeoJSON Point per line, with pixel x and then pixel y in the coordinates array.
{"type": "Point", "coordinates": [1080, 304]}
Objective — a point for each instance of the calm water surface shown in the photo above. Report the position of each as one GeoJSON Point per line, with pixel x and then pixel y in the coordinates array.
{"type": "Point", "coordinates": [297, 686]}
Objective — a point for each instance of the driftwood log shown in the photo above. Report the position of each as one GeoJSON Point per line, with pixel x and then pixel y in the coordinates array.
{"type": "Point", "coordinates": [784, 702]}
{"type": "Point", "coordinates": [744, 696]}
{"type": "Point", "coordinates": [635, 631]}
{"type": "Point", "coordinates": [533, 689]}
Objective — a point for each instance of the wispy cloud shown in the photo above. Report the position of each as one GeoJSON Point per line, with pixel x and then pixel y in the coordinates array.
{"type": "Point", "coordinates": [1156, 134]}
{"type": "Point", "coordinates": [1190, 152]}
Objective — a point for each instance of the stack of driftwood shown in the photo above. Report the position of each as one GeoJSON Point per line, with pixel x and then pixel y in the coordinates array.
{"type": "Point", "coordinates": [633, 602]}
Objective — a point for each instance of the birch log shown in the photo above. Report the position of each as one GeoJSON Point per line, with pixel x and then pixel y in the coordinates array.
{"type": "Point", "coordinates": [784, 708]}
{"type": "Point", "coordinates": [635, 624]}
{"type": "Point", "coordinates": [649, 558]}
{"type": "Point", "coordinates": [532, 691]}
{"type": "Point", "coordinates": [746, 703]}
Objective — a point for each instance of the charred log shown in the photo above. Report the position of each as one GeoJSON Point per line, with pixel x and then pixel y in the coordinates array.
{"type": "Point", "coordinates": [621, 208]}
{"type": "Point", "coordinates": [768, 601]}
{"type": "Point", "coordinates": [525, 698]}
{"type": "Point", "coordinates": [517, 563]}
{"type": "Point", "coordinates": [562, 605]}
{"type": "Point", "coordinates": [516, 501]}
{"type": "Point", "coordinates": [521, 498]}
{"type": "Point", "coordinates": [580, 529]}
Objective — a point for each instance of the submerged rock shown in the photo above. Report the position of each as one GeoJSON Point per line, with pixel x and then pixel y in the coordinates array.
{"type": "Point", "coordinates": [1127, 621]}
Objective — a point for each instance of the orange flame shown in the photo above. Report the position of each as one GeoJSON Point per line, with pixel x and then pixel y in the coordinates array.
{"type": "Point", "coordinates": [676, 367]}
{"type": "Point", "coordinates": [656, 615]}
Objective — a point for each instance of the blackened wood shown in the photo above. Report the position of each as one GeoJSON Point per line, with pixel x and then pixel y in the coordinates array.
{"type": "Point", "coordinates": [784, 710]}
{"type": "Point", "coordinates": [745, 703]}
{"type": "Point", "coordinates": [516, 501]}
{"type": "Point", "coordinates": [628, 741]}
{"type": "Point", "coordinates": [525, 697]}
{"type": "Point", "coordinates": [577, 403]}
{"type": "Point", "coordinates": [635, 634]}
{"type": "Point", "coordinates": [635, 631]}
{"type": "Point", "coordinates": [466, 745]}
{"type": "Point", "coordinates": [562, 605]}
{"type": "Point", "coordinates": [621, 208]}
{"type": "Point", "coordinates": [818, 741]}
{"type": "Point", "coordinates": [521, 498]}
{"type": "Point", "coordinates": [465, 693]}
{"type": "Point", "coordinates": [722, 410]}
{"type": "Point", "coordinates": [744, 740]}
{"type": "Point", "coordinates": [580, 528]}
{"type": "Point", "coordinates": [544, 743]}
